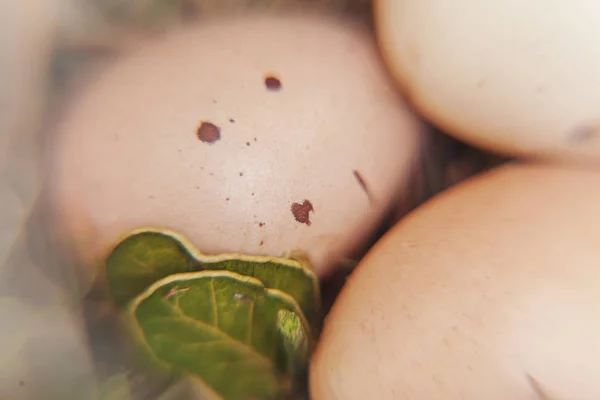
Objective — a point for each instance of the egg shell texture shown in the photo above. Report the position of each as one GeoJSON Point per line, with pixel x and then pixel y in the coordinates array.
{"type": "Point", "coordinates": [489, 291]}
{"type": "Point", "coordinates": [217, 130]}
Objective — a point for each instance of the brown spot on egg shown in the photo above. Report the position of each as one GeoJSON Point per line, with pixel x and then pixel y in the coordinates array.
{"type": "Point", "coordinates": [261, 243]}
{"type": "Point", "coordinates": [302, 211]}
{"type": "Point", "coordinates": [261, 224]}
{"type": "Point", "coordinates": [363, 184]}
{"type": "Point", "coordinates": [232, 120]}
{"type": "Point", "coordinates": [247, 143]}
{"type": "Point", "coordinates": [208, 132]}
{"type": "Point", "coordinates": [227, 199]}
{"type": "Point", "coordinates": [189, 10]}
{"type": "Point", "coordinates": [272, 83]}
{"type": "Point", "coordinates": [583, 134]}
{"type": "Point", "coordinates": [241, 174]}
{"type": "Point", "coordinates": [537, 388]}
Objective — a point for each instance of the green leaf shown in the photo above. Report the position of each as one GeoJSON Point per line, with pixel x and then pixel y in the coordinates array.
{"type": "Point", "coordinates": [236, 325]}
{"type": "Point", "coordinates": [229, 332]}
{"type": "Point", "coordinates": [148, 255]}
{"type": "Point", "coordinates": [141, 259]}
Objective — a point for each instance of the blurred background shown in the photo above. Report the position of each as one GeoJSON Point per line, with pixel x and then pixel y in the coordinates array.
{"type": "Point", "coordinates": [58, 343]}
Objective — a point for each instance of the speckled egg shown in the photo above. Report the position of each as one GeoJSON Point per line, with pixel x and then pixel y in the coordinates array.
{"type": "Point", "coordinates": [257, 134]}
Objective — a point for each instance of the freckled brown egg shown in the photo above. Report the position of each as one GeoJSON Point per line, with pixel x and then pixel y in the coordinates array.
{"type": "Point", "coordinates": [246, 134]}
{"type": "Point", "coordinates": [489, 291]}
{"type": "Point", "coordinates": [514, 77]}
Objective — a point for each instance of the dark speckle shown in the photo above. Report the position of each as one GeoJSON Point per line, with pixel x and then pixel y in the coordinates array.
{"type": "Point", "coordinates": [252, 194]}
{"type": "Point", "coordinates": [21, 383]}
{"type": "Point", "coordinates": [583, 134]}
{"type": "Point", "coordinates": [363, 184]}
{"type": "Point", "coordinates": [247, 143]}
{"type": "Point", "coordinates": [261, 243]}
{"type": "Point", "coordinates": [232, 120]}
{"type": "Point", "coordinates": [301, 212]}
{"type": "Point", "coordinates": [227, 199]}
{"type": "Point", "coordinates": [241, 174]}
{"type": "Point", "coordinates": [536, 387]}
{"type": "Point", "coordinates": [208, 132]}
{"type": "Point", "coordinates": [272, 83]}
{"type": "Point", "coordinates": [255, 139]}
{"type": "Point", "coordinates": [261, 224]}
{"type": "Point", "coordinates": [189, 11]}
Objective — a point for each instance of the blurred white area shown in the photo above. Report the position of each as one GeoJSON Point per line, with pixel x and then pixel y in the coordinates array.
{"type": "Point", "coordinates": [43, 346]}
{"type": "Point", "coordinates": [43, 354]}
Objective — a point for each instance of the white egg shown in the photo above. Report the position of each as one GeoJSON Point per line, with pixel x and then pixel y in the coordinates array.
{"type": "Point", "coordinates": [514, 77]}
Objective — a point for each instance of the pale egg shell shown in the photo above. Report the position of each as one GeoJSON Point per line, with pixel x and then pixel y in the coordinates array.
{"type": "Point", "coordinates": [489, 291]}
{"type": "Point", "coordinates": [128, 153]}
{"type": "Point", "coordinates": [514, 77]}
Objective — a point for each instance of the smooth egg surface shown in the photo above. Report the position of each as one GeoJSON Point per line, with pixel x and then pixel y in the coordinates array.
{"type": "Point", "coordinates": [490, 290]}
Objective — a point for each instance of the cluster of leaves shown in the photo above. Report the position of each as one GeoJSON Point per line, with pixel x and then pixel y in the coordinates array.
{"type": "Point", "coordinates": [239, 327]}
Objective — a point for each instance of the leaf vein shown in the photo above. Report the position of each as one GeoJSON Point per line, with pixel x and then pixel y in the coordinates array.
{"type": "Point", "coordinates": [159, 336]}
{"type": "Point", "coordinates": [250, 322]}
{"type": "Point", "coordinates": [218, 332]}
{"type": "Point", "coordinates": [141, 263]}
{"type": "Point", "coordinates": [213, 297]}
